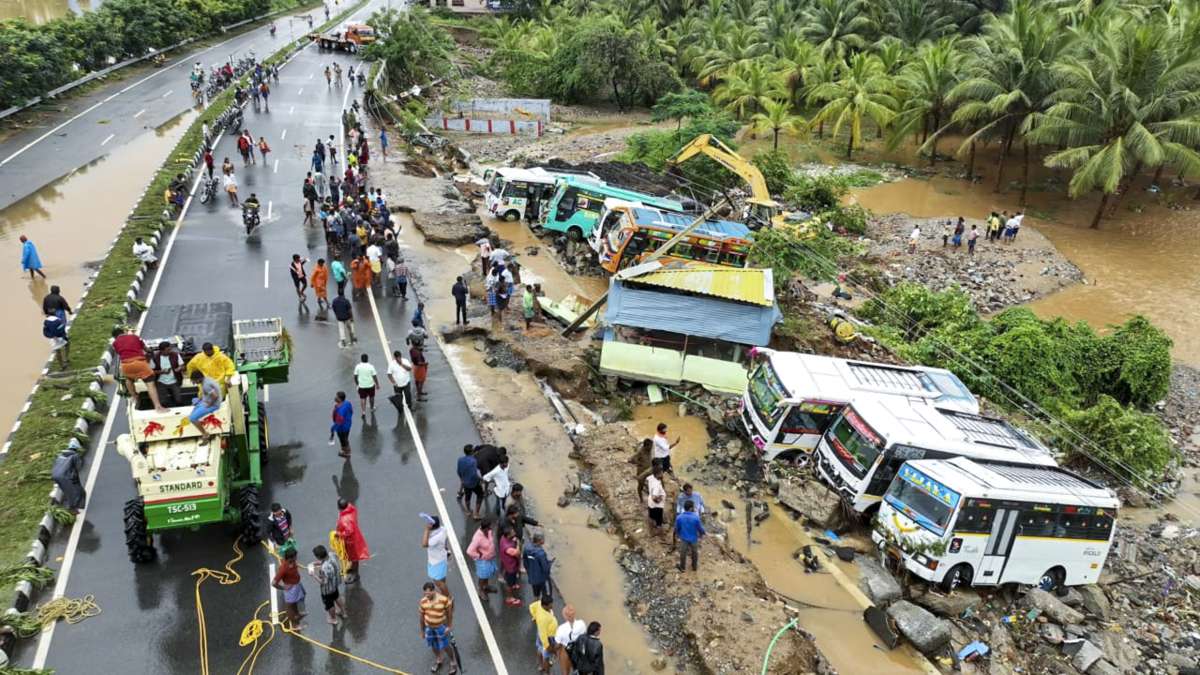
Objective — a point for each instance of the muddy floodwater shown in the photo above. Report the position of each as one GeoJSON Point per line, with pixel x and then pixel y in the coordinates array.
{"type": "Point", "coordinates": [41, 11]}
{"type": "Point", "coordinates": [72, 221]}
{"type": "Point", "coordinates": [1145, 261]}
{"type": "Point", "coordinates": [831, 603]}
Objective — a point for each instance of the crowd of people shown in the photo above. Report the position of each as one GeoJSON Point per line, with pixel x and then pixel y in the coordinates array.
{"type": "Point", "coordinates": [999, 226]}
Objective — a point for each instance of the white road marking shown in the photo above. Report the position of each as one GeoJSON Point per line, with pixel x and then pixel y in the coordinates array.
{"type": "Point", "coordinates": [269, 203]}
{"type": "Point", "coordinates": [172, 91]}
{"type": "Point", "coordinates": [58, 128]}
{"type": "Point", "coordinates": [60, 586]}
{"type": "Point", "coordinates": [274, 602]}
{"type": "Point", "coordinates": [105, 141]}
{"type": "Point", "coordinates": [266, 274]}
{"type": "Point", "coordinates": [291, 110]}
{"type": "Point", "coordinates": [311, 75]}
{"type": "Point", "coordinates": [139, 113]}
{"type": "Point", "coordinates": [276, 167]}
{"type": "Point", "coordinates": [300, 92]}
{"type": "Point", "coordinates": [283, 135]}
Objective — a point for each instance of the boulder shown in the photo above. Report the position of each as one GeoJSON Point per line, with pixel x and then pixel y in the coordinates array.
{"type": "Point", "coordinates": [1118, 650]}
{"type": "Point", "coordinates": [924, 630]}
{"type": "Point", "coordinates": [952, 605]}
{"type": "Point", "coordinates": [1103, 667]}
{"type": "Point", "coordinates": [1083, 654]}
{"type": "Point", "coordinates": [1052, 607]}
{"type": "Point", "coordinates": [817, 502]}
{"type": "Point", "coordinates": [454, 229]}
{"type": "Point", "coordinates": [879, 584]}
{"type": "Point", "coordinates": [1094, 600]}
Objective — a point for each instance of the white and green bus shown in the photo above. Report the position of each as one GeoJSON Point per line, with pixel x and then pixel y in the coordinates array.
{"type": "Point", "coordinates": [960, 522]}
{"type": "Point", "coordinates": [512, 191]}
{"type": "Point", "coordinates": [863, 448]}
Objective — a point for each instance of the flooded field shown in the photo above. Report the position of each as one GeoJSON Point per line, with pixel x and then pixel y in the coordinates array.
{"type": "Point", "coordinates": [1145, 262]}
{"type": "Point", "coordinates": [72, 222]}
{"type": "Point", "coordinates": [832, 603]}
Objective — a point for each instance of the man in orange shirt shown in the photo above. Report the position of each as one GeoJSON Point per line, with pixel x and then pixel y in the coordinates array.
{"type": "Point", "coordinates": [320, 283]}
{"type": "Point", "coordinates": [360, 275]}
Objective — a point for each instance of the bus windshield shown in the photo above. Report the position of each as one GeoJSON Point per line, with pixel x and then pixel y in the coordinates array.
{"type": "Point", "coordinates": [923, 499]}
{"type": "Point", "coordinates": [766, 392]}
{"type": "Point", "coordinates": [497, 185]}
{"type": "Point", "coordinates": [854, 443]}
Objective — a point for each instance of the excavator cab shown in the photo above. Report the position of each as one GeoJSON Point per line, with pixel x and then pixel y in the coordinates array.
{"type": "Point", "coordinates": [760, 213]}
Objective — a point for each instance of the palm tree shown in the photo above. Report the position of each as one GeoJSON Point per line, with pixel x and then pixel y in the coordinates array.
{"type": "Point", "coordinates": [861, 90]}
{"type": "Point", "coordinates": [926, 83]}
{"type": "Point", "coordinates": [1127, 100]}
{"type": "Point", "coordinates": [837, 26]}
{"type": "Point", "coordinates": [914, 21]}
{"type": "Point", "coordinates": [747, 87]}
{"type": "Point", "coordinates": [821, 71]}
{"type": "Point", "coordinates": [777, 118]}
{"type": "Point", "coordinates": [1008, 80]}
{"type": "Point", "coordinates": [731, 48]}
{"type": "Point", "coordinates": [795, 59]}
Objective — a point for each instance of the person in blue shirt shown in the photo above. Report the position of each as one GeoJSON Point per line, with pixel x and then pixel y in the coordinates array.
{"type": "Point", "coordinates": [688, 529]}
{"type": "Point", "coordinates": [537, 565]}
{"type": "Point", "coordinates": [689, 495]}
{"type": "Point", "coordinates": [469, 480]}
{"type": "Point", "coordinates": [343, 417]}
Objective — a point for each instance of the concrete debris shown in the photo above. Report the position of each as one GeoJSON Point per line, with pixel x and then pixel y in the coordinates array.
{"type": "Point", "coordinates": [950, 606]}
{"type": "Point", "coordinates": [450, 229]}
{"type": "Point", "coordinates": [816, 502]}
{"type": "Point", "coordinates": [924, 630]}
{"type": "Point", "coordinates": [879, 584]}
{"type": "Point", "coordinates": [1054, 608]}
{"type": "Point", "coordinates": [1083, 654]}
{"type": "Point", "coordinates": [1093, 600]}
{"type": "Point", "coordinates": [877, 619]}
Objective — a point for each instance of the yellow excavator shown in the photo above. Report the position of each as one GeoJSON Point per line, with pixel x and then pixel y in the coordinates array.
{"type": "Point", "coordinates": [762, 210]}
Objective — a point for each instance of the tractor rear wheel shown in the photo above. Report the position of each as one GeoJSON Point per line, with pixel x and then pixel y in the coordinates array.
{"type": "Point", "coordinates": [252, 527]}
{"type": "Point", "coordinates": [137, 534]}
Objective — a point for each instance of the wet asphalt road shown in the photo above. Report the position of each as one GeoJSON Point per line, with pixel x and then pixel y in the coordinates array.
{"type": "Point", "coordinates": [148, 624]}
{"type": "Point", "coordinates": [104, 120]}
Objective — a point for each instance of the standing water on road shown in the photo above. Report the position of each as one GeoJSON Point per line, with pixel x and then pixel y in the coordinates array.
{"type": "Point", "coordinates": [71, 220]}
{"type": "Point", "coordinates": [1136, 263]}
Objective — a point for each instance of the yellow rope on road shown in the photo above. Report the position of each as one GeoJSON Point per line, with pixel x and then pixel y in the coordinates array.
{"type": "Point", "coordinates": [335, 650]}
{"type": "Point", "coordinates": [71, 610]}
{"type": "Point", "coordinates": [226, 577]}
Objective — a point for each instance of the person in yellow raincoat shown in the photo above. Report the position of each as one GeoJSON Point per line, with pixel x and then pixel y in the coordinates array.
{"type": "Point", "coordinates": [213, 363]}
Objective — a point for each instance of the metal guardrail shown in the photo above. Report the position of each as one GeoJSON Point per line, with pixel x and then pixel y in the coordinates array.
{"type": "Point", "coordinates": [103, 72]}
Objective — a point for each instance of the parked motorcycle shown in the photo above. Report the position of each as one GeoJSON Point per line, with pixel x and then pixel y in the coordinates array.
{"type": "Point", "coordinates": [211, 186]}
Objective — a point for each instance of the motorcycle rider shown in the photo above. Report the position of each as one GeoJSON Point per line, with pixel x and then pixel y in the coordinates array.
{"type": "Point", "coordinates": [250, 210]}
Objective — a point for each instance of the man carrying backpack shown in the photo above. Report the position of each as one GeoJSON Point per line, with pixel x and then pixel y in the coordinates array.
{"type": "Point", "coordinates": [587, 652]}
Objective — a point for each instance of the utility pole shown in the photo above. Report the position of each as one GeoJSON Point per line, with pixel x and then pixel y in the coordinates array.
{"type": "Point", "coordinates": [658, 253]}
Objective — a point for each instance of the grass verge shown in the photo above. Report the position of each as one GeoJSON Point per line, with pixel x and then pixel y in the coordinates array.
{"type": "Point", "coordinates": [49, 423]}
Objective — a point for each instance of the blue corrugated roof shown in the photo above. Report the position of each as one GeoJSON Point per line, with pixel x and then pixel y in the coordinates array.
{"type": "Point", "coordinates": [678, 221]}
{"type": "Point", "coordinates": [709, 317]}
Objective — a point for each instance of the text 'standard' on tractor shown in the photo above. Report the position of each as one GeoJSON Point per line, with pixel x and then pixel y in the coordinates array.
{"type": "Point", "coordinates": [183, 481]}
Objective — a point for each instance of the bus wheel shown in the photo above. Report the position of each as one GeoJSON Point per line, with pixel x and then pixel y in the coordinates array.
{"type": "Point", "coordinates": [959, 575]}
{"type": "Point", "coordinates": [511, 216]}
{"type": "Point", "coordinates": [575, 234]}
{"type": "Point", "coordinates": [1053, 579]}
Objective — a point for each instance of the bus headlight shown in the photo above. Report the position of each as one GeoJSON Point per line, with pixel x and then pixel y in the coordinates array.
{"type": "Point", "coordinates": [925, 561]}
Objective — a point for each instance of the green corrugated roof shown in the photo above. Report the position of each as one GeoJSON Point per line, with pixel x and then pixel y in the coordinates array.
{"type": "Point", "coordinates": [754, 286]}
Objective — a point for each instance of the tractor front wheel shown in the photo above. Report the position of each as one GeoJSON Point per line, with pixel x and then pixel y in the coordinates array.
{"type": "Point", "coordinates": [252, 527]}
{"type": "Point", "coordinates": [137, 534]}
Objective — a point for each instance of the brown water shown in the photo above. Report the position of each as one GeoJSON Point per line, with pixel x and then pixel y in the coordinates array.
{"type": "Point", "coordinates": [70, 225]}
{"type": "Point", "coordinates": [1144, 262]}
{"type": "Point", "coordinates": [832, 604]}
{"type": "Point", "coordinates": [41, 11]}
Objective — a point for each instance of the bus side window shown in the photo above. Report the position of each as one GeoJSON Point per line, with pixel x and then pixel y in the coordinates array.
{"type": "Point", "coordinates": [712, 255]}
{"type": "Point", "coordinates": [975, 520]}
{"type": "Point", "coordinates": [801, 422]}
{"type": "Point", "coordinates": [682, 250]}
{"type": "Point", "coordinates": [637, 244]}
{"type": "Point", "coordinates": [1075, 526]}
{"type": "Point", "coordinates": [733, 259]}
{"type": "Point", "coordinates": [1036, 524]}
{"type": "Point", "coordinates": [1102, 524]}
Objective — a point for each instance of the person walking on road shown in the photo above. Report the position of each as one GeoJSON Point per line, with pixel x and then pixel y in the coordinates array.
{"type": "Point", "coordinates": [516, 499]}
{"type": "Point", "coordinates": [501, 484]}
{"type": "Point", "coordinates": [299, 276]}
{"type": "Point", "coordinates": [383, 142]}
{"type": "Point", "coordinates": [482, 550]}
{"type": "Point", "coordinates": [263, 148]}
{"type": "Point", "coordinates": [537, 565]}
{"type": "Point", "coordinates": [226, 167]}
{"type": "Point", "coordinates": [318, 161]}
{"type": "Point", "coordinates": [469, 480]}
{"type": "Point", "coordinates": [329, 578]}
{"type": "Point", "coordinates": [343, 418]}
{"type": "Point", "coordinates": [400, 375]}
{"type": "Point", "coordinates": [437, 618]}
{"type": "Point", "coordinates": [352, 539]}
{"type": "Point", "coordinates": [279, 528]}
{"type": "Point", "coordinates": [231, 189]}
{"type": "Point", "coordinates": [367, 381]}
{"type": "Point", "coordinates": [436, 543]}
{"type": "Point", "coordinates": [287, 579]}
{"type": "Point", "coordinates": [688, 531]}
{"type": "Point", "coordinates": [54, 303]}
{"type": "Point", "coordinates": [544, 623]}
{"type": "Point", "coordinates": [416, 354]}
{"type": "Point", "coordinates": [510, 565]}
{"type": "Point", "coordinates": [30, 261]}
{"type": "Point", "coordinates": [265, 91]}
{"type": "Point", "coordinates": [360, 274]}
{"type": "Point", "coordinates": [569, 630]}
{"type": "Point", "coordinates": [338, 269]}
{"type": "Point", "coordinates": [587, 654]}
{"type": "Point", "coordinates": [208, 160]}
{"type": "Point", "coordinates": [663, 448]}
{"type": "Point", "coordinates": [344, 313]}
{"type": "Point", "coordinates": [400, 277]}
{"type": "Point", "coordinates": [656, 498]}
{"type": "Point", "coordinates": [460, 293]}
{"type": "Point", "coordinates": [320, 284]}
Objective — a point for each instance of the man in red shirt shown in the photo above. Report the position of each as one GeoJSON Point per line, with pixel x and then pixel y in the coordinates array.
{"type": "Point", "coordinates": [131, 351]}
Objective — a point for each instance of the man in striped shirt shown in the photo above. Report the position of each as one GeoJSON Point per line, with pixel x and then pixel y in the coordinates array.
{"type": "Point", "coordinates": [437, 616]}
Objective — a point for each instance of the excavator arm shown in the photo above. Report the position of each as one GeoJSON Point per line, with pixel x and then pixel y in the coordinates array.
{"type": "Point", "coordinates": [709, 146]}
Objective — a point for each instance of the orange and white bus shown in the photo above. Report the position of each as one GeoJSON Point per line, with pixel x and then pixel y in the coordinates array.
{"type": "Point", "coordinates": [629, 231]}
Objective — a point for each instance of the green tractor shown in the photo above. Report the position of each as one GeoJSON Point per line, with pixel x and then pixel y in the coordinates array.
{"type": "Point", "coordinates": [180, 483]}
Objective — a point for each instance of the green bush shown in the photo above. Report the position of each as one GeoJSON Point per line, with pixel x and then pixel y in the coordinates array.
{"type": "Point", "coordinates": [817, 193]}
{"type": "Point", "coordinates": [654, 148]}
{"type": "Point", "coordinates": [1125, 442]}
{"type": "Point", "coordinates": [788, 254]}
{"type": "Point", "coordinates": [915, 310]}
{"type": "Point", "coordinates": [851, 218]}
{"type": "Point", "coordinates": [776, 170]}
{"type": "Point", "coordinates": [415, 49]}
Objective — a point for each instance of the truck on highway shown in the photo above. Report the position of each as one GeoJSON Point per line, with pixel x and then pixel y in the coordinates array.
{"type": "Point", "coordinates": [349, 38]}
{"type": "Point", "coordinates": [181, 482]}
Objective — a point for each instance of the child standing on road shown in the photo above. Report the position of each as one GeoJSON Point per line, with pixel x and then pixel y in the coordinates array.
{"type": "Point", "coordinates": [263, 148]}
{"type": "Point", "coordinates": [328, 574]}
{"type": "Point", "coordinates": [287, 579]}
